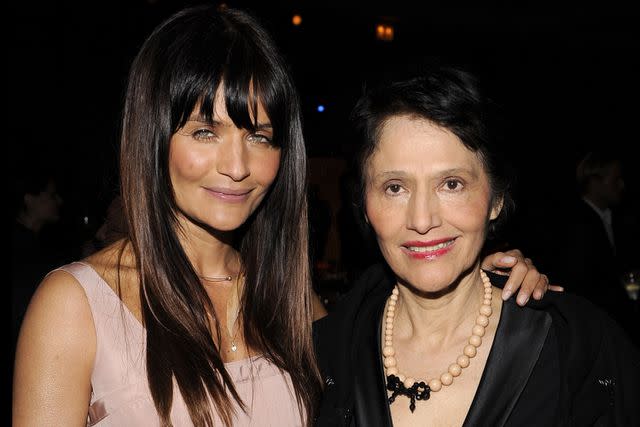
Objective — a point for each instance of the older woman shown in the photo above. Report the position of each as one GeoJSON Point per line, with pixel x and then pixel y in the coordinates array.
{"type": "Point", "coordinates": [425, 339]}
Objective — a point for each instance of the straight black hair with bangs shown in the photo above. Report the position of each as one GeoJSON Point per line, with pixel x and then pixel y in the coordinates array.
{"type": "Point", "coordinates": [178, 69]}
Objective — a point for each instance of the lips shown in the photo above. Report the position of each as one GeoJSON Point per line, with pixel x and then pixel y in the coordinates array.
{"type": "Point", "coordinates": [428, 250]}
{"type": "Point", "coordinates": [229, 194]}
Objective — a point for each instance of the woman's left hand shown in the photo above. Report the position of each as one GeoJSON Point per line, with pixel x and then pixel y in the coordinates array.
{"type": "Point", "coordinates": [522, 274]}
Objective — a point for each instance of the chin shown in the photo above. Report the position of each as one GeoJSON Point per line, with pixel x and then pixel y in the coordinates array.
{"type": "Point", "coordinates": [429, 279]}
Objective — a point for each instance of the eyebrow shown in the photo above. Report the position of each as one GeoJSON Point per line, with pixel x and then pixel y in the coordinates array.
{"type": "Point", "coordinates": [445, 172]}
{"type": "Point", "coordinates": [200, 119]}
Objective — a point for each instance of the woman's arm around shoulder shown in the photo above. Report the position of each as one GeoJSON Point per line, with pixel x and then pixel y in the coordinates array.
{"type": "Point", "coordinates": [55, 355]}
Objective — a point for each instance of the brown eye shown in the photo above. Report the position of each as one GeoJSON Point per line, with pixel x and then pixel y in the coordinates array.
{"type": "Point", "coordinates": [393, 189]}
{"type": "Point", "coordinates": [453, 184]}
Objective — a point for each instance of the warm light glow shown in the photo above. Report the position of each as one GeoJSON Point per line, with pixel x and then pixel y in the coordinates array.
{"type": "Point", "coordinates": [297, 20]}
{"type": "Point", "coordinates": [384, 32]}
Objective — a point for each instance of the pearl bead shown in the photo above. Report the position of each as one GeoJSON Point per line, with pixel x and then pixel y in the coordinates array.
{"type": "Point", "coordinates": [446, 378]}
{"type": "Point", "coordinates": [482, 320]}
{"type": "Point", "coordinates": [435, 385]}
{"type": "Point", "coordinates": [486, 310]}
{"type": "Point", "coordinates": [475, 340]}
{"type": "Point", "coordinates": [463, 361]}
{"type": "Point", "coordinates": [478, 330]}
{"type": "Point", "coordinates": [455, 369]}
{"type": "Point", "coordinates": [390, 362]}
{"type": "Point", "coordinates": [469, 350]}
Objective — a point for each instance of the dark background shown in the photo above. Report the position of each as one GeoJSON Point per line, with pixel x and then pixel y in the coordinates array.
{"type": "Point", "coordinates": [565, 73]}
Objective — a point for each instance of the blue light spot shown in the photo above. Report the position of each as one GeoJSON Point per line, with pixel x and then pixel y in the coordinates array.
{"type": "Point", "coordinates": [320, 108]}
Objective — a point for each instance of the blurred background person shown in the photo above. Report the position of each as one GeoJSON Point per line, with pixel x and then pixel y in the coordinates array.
{"type": "Point", "coordinates": [596, 250]}
{"type": "Point", "coordinates": [113, 228]}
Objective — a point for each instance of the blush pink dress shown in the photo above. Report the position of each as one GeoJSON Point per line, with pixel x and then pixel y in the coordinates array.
{"type": "Point", "coordinates": [120, 394]}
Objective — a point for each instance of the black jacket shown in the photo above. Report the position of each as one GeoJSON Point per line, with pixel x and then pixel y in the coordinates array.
{"type": "Point", "coordinates": [556, 362]}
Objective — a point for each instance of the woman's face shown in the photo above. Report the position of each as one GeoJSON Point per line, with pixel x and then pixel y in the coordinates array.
{"type": "Point", "coordinates": [221, 173]}
{"type": "Point", "coordinates": [428, 200]}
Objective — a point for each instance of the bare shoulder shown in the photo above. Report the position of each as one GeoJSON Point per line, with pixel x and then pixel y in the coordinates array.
{"type": "Point", "coordinates": [55, 355]}
{"type": "Point", "coordinates": [58, 303]}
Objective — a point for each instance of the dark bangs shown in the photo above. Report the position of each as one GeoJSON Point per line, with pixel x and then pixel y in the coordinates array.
{"type": "Point", "coordinates": [241, 62]}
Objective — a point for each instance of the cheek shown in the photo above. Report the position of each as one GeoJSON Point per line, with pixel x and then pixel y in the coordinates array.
{"type": "Point", "coordinates": [471, 216]}
{"type": "Point", "coordinates": [384, 217]}
{"type": "Point", "coordinates": [186, 164]}
{"type": "Point", "coordinates": [266, 167]}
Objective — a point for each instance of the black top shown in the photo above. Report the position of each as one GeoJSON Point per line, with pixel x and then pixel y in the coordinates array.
{"type": "Point", "coordinates": [556, 362]}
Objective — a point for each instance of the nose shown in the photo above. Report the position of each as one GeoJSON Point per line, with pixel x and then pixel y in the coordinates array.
{"type": "Point", "coordinates": [233, 159]}
{"type": "Point", "coordinates": [423, 212]}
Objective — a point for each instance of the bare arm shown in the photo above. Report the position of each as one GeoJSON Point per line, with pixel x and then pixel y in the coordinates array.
{"type": "Point", "coordinates": [54, 356]}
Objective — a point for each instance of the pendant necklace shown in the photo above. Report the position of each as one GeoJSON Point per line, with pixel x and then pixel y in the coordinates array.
{"type": "Point", "coordinates": [231, 320]}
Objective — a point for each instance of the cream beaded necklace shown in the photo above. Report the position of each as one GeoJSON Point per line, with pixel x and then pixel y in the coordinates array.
{"type": "Point", "coordinates": [399, 384]}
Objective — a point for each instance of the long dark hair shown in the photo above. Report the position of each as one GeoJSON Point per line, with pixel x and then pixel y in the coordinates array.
{"type": "Point", "coordinates": [180, 67]}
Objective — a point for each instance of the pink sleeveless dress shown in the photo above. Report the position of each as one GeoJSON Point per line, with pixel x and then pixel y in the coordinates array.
{"type": "Point", "coordinates": [120, 394]}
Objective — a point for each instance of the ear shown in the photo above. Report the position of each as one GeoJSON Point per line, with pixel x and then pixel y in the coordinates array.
{"type": "Point", "coordinates": [498, 202]}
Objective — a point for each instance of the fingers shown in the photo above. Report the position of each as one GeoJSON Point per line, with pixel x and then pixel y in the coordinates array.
{"type": "Point", "coordinates": [556, 288]}
{"type": "Point", "coordinates": [524, 278]}
{"type": "Point", "coordinates": [498, 261]}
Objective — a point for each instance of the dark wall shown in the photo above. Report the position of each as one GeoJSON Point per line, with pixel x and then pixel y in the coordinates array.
{"type": "Point", "coordinates": [565, 75]}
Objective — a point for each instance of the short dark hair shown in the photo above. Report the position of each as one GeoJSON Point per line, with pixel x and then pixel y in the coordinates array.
{"type": "Point", "coordinates": [450, 98]}
{"type": "Point", "coordinates": [594, 164]}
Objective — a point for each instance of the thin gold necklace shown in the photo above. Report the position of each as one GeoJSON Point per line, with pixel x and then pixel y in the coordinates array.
{"type": "Point", "coordinates": [216, 278]}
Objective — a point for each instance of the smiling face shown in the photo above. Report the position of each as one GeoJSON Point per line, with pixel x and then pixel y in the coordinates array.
{"type": "Point", "coordinates": [221, 173]}
{"type": "Point", "coordinates": [428, 200]}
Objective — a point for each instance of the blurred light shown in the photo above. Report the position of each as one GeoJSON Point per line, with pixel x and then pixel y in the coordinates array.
{"type": "Point", "coordinates": [296, 20]}
{"type": "Point", "coordinates": [320, 108]}
{"type": "Point", "coordinates": [384, 32]}
{"type": "Point", "coordinates": [85, 220]}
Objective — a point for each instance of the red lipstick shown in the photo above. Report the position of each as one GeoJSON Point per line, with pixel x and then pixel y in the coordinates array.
{"type": "Point", "coordinates": [436, 248]}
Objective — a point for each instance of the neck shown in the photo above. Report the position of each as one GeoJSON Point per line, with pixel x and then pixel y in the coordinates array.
{"type": "Point", "coordinates": [211, 255]}
{"type": "Point", "coordinates": [437, 320]}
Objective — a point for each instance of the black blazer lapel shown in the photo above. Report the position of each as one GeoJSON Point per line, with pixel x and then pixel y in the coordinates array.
{"type": "Point", "coordinates": [517, 345]}
{"type": "Point", "coordinates": [370, 395]}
